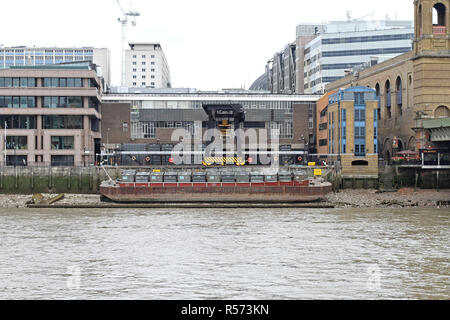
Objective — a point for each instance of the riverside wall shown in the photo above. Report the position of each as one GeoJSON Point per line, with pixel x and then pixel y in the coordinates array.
{"type": "Point", "coordinates": [28, 180]}
{"type": "Point", "coordinates": [86, 180]}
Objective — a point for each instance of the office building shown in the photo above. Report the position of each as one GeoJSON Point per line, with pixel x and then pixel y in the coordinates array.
{"type": "Point", "coordinates": [146, 66]}
{"type": "Point", "coordinates": [323, 53]}
{"type": "Point", "coordinates": [38, 56]}
{"type": "Point", "coordinates": [348, 45]}
{"type": "Point", "coordinates": [353, 132]}
{"type": "Point", "coordinates": [50, 115]}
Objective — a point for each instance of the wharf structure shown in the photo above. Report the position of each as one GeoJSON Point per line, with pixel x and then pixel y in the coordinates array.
{"type": "Point", "coordinates": [146, 118]}
{"type": "Point", "coordinates": [50, 115]}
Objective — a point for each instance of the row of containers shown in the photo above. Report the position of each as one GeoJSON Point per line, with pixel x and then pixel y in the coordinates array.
{"type": "Point", "coordinates": [131, 176]}
{"type": "Point", "coordinates": [135, 155]}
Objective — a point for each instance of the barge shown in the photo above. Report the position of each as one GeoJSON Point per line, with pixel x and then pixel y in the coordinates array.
{"type": "Point", "coordinates": [214, 187]}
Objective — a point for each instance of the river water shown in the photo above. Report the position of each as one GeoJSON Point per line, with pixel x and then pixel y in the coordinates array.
{"type": "Point", "coordinates": [225, 254]}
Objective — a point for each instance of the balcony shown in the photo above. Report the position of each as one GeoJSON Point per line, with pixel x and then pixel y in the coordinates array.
{"type": "Point", "coordinates": [439, 30]}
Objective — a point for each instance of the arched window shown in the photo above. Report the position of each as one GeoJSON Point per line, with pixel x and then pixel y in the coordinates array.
{"type": "Point", "coordinates": [442, 112]}
{"type": "Point", "coordinates": [378, 93]}
{"type": "Point", "coordinates": [388, 104]}
{"type": "Point", "coordinates": [399, 89]}
{"type": "Point", "coordinates": [439, 16]}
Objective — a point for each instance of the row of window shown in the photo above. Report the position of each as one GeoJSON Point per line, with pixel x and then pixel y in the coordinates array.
{"type": "Point", "coordinates": [58, 51]}
{"type": "Point", "coordinates": [47, 102]}
{"type": "Point", "coordinates": [63, 83]}
{"type": "Point", "coordinates": [345, 53]}
{"type": "Point", "coordinates": [62, 102]}
{"type": "Point", "coordinates": [144, 77]}
{"type": "Point", "coordinates": [56, 143]}
{"type": "Point", "coordinates": [17, 82]}
{"type": "Point", "coordinates": [152, 84]}
{"type": "Point", "coordinates": [48, 122]}
{"type": "Point", "coordinates": [143, 56]}
{"type": "Point", "coordinates": [17, 102]}
{"type": "Point", "coordinates": [47, 83]}
{"type": "Point", "coordinates": [143, 63]}
{"type": "Point", "coordinates": [388, 37]}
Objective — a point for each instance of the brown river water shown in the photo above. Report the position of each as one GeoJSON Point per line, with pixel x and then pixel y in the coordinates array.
{"type": "Point", "coordinates": [225, 254]}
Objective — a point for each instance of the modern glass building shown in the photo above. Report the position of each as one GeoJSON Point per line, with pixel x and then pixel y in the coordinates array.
{"type": "Point", "coordinates": [36, 56]}
{"type": "Point", "coordinates": [347, 46]}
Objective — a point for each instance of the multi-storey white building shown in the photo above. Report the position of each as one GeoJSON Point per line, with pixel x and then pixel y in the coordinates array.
{"type": "Point", "coordinates": [35, 56]}
{"type": "Point", "coordinates": [146, 66]}
{"type": "Point", "coordinates": [347, 46]}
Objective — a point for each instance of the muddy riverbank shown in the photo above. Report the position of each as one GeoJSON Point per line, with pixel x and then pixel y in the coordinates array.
{"type": "Point", "coordinates": [403, 198]}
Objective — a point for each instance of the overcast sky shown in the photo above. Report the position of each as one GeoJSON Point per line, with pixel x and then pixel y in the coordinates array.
{"type": "Point", "coordinates": [209, 44]}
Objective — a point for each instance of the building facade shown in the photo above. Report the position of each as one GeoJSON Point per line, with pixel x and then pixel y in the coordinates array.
{"type": "Point", "coordinates": [154, 115]}
{"type": "Point", "coordinates": [349, 45]}
{"type": "Point", "coordinates": [50, 115]}
{"type": "Point", "coordinates": [353, 131]}
{"type": "Point", "coordinates": [146, 66]}
{"type": "Point", "coordinates": [414, 87]}
{"type": "Point", "coordinates": [322, 126]}
{"type": "Point", "coordinates": [38, 56]}
{"type": "Point", "coordinates": [323, 53]}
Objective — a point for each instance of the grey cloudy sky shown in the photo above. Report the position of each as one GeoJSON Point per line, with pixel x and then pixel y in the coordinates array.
{"type": "Point", "coordinates": [209, 44]}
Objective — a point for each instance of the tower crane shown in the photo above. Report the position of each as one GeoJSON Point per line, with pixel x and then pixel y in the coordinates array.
{"type": "Point", "coordinates": [126, 17]}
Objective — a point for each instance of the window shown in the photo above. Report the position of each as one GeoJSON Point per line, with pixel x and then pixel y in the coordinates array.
{"type": "Point", "coordinates": [143, 63]}
{"type": "Point", "coordinates": [134, 63]}
{"type": "Point", "coordinates": [144, 84]}
{"type": "Point", "coordinates": [143, 56]}
{"type": "Point", "coordinates": [62, 122]}
{"type": "Point", "coordinates": [134, 70]}
{"type": "Point", "coordinates": [153, 63]}
{"type": "Point", "coordinates": [16, 143]}
{"type": "Point", "coordinates": [125, 126]}
{"type": "Point", "coordinates": [74, 102]}
{"type": "Point", "coordinates": [62, 143]}
{"type": "Point", "coordinates": [17, 102]}
{"type": "Point", "coordinates": [359, 98]}
{"type": "Point", "coordinates": [360, 115]}
{"type": "Point", "coordinates": [18, 122]}
{"type": "Point", "coordinates": [143, 77]}
{"type": "Point", "coordinates": [134, 56]}
{"type": "Point", "coordinates": [62, 102]}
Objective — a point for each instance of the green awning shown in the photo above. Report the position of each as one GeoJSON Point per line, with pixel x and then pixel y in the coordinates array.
{"type": "Point", "coordinates": [436, 123]}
